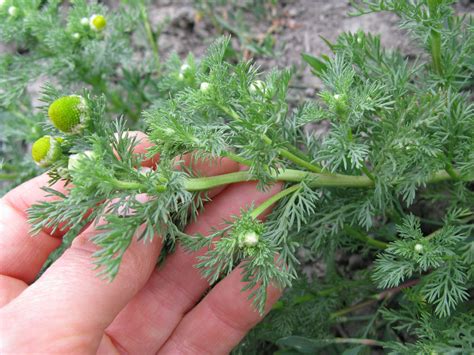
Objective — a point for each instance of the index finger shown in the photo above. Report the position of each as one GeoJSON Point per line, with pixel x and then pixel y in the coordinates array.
{"type": "Point", "coordinates": [21, 255]}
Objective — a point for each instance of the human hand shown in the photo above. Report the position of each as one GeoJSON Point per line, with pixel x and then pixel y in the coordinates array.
{"type": "Point", "coordinates": [144, 310]}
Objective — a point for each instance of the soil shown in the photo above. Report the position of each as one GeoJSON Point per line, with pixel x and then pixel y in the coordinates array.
{"type": "Point", "coordinates": [296, 25]}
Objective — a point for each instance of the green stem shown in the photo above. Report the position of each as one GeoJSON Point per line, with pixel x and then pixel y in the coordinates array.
{"type": "Point", "coordinates": [6, 176]}
{"type": "Point", "coordinates": [364, 238]}
{"type": "Point", "coordinates": [289, 175]}
{"type": "Point", "coordinates": [435, 38]}
{"type": "Point", "coordinates": [450, 170]}
{"type": "Point", "coordinates": [150, 35]}
{"type": "Point", "coordinates": [374, 299]}
{"type": "Point", "coordinates": [260, 209]}
{"type": "Point", "coordinates": [367, 172]}
{"type": "Point", "coordinates": [237, 158]}
{"type": "Point", "coordinates": [128, 185]}
{"type": "Point", "coordinates": [369, 342]}
{"type": "Point", "coordinates": [282, 151]}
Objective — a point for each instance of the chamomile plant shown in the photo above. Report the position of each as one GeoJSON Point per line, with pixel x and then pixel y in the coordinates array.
{"type": "Point", "coordinates": [401, 135]}
{"type": "Point", "coordinates": [82, 44]}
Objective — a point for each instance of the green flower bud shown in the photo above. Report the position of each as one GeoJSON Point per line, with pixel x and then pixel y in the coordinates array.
{"type": "Point", "coordinates": [418, 248]}
{"type": "Point", "coordinates": [68, 113]}
{"type": "Point", "coordinates": [46, 150]}
{"type": "Point", "coordinates": [97, 22]}
{"type": "Point", "coordinates": [76, 36]}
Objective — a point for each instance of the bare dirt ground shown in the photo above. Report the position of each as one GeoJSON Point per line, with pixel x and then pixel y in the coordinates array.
{"type": "Point", "coordinates": [296, 25]}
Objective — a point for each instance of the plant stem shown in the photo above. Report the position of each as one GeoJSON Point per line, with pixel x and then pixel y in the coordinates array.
{"type": "Point", "coordinates": [366, 171]}
{"type": "Point", "coordinates": [450, 170]}
{"type": "Point", "coordinates": [365, 238]}
{"type": "Point", "coordinates": [290, 175]}
{"type": "Point", "coordinates": [7, 176]}
{"type": "Point", "coordinates": [435, 39]}
{"type": "Point", "coordinates": [283, 152]}
{"type": "Point", "coordinates": [150, 35]}
{"type": "Point", "coordinates": [127, 185]}
{"type": "Point", "coordinates": [369, 342]}
{"type": "Point", "coordinates": [260, 209]}
{"type": "Point", "coordinates": [374, 299]}
{"type": "Point", "coordinates": [237, 159]}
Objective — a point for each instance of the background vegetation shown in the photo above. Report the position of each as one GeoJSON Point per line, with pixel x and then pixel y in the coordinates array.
{"type": "Point", "coordinates": [388, 268]}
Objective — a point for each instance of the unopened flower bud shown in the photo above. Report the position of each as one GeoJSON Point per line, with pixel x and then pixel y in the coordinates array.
{"type": "Point", "coordinates": [13, 11]}
{"type": "Point", "coordinates": [184, 68]}
{"type": "Point", "coordinates": [256, 86]}
{"type": "Point", "coordinates": [204, 87]}
{"type": "Point", "coordinates": [250, 239]}
{"type": "Point", "coordinates": [97, 22]}
{"type": "Point", "coordinates": [46, 150]}
{"type": "Point", "coordinates": [76, 36]}
{"type": "Point", "coordinates": [418, 248]}
{"type": "Point", "coordinates": [85, 22]}
{"type": "Point", "coordinates": [68, 113]}
{"type": "Point", "coordinates": [75, 159]}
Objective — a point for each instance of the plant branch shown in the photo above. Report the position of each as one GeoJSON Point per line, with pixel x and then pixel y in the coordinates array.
{"type": "Point", "coordinates": [288, 175]}
{"type": "Point", "coordinates": [369, 342]}
{"type": "Point", "coordinates": [150, 35]}
{"type": "Point", "coordinates": [260, 209]}
{"type": "Point", "coordinates": [365, 238]}
{"type": "Point", "coordinates": [374, 299]}
{"type": "Point", "coordinates": [282, 151]}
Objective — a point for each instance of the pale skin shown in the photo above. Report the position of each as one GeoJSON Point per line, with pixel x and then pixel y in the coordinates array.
{"type": "Point", "coordinates": [145, 310]}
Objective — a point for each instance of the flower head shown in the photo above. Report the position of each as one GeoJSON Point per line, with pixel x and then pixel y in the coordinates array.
{"type": "Point", "coordinates": [68, 113]}
{"type": "Point", "coordinates": [46, 150]}
{"type": "Point", "coordinates": [97, 22]}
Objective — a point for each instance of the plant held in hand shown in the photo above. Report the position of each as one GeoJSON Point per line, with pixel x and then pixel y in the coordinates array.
{"type": "Point", "coordinates": [401, 133]}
